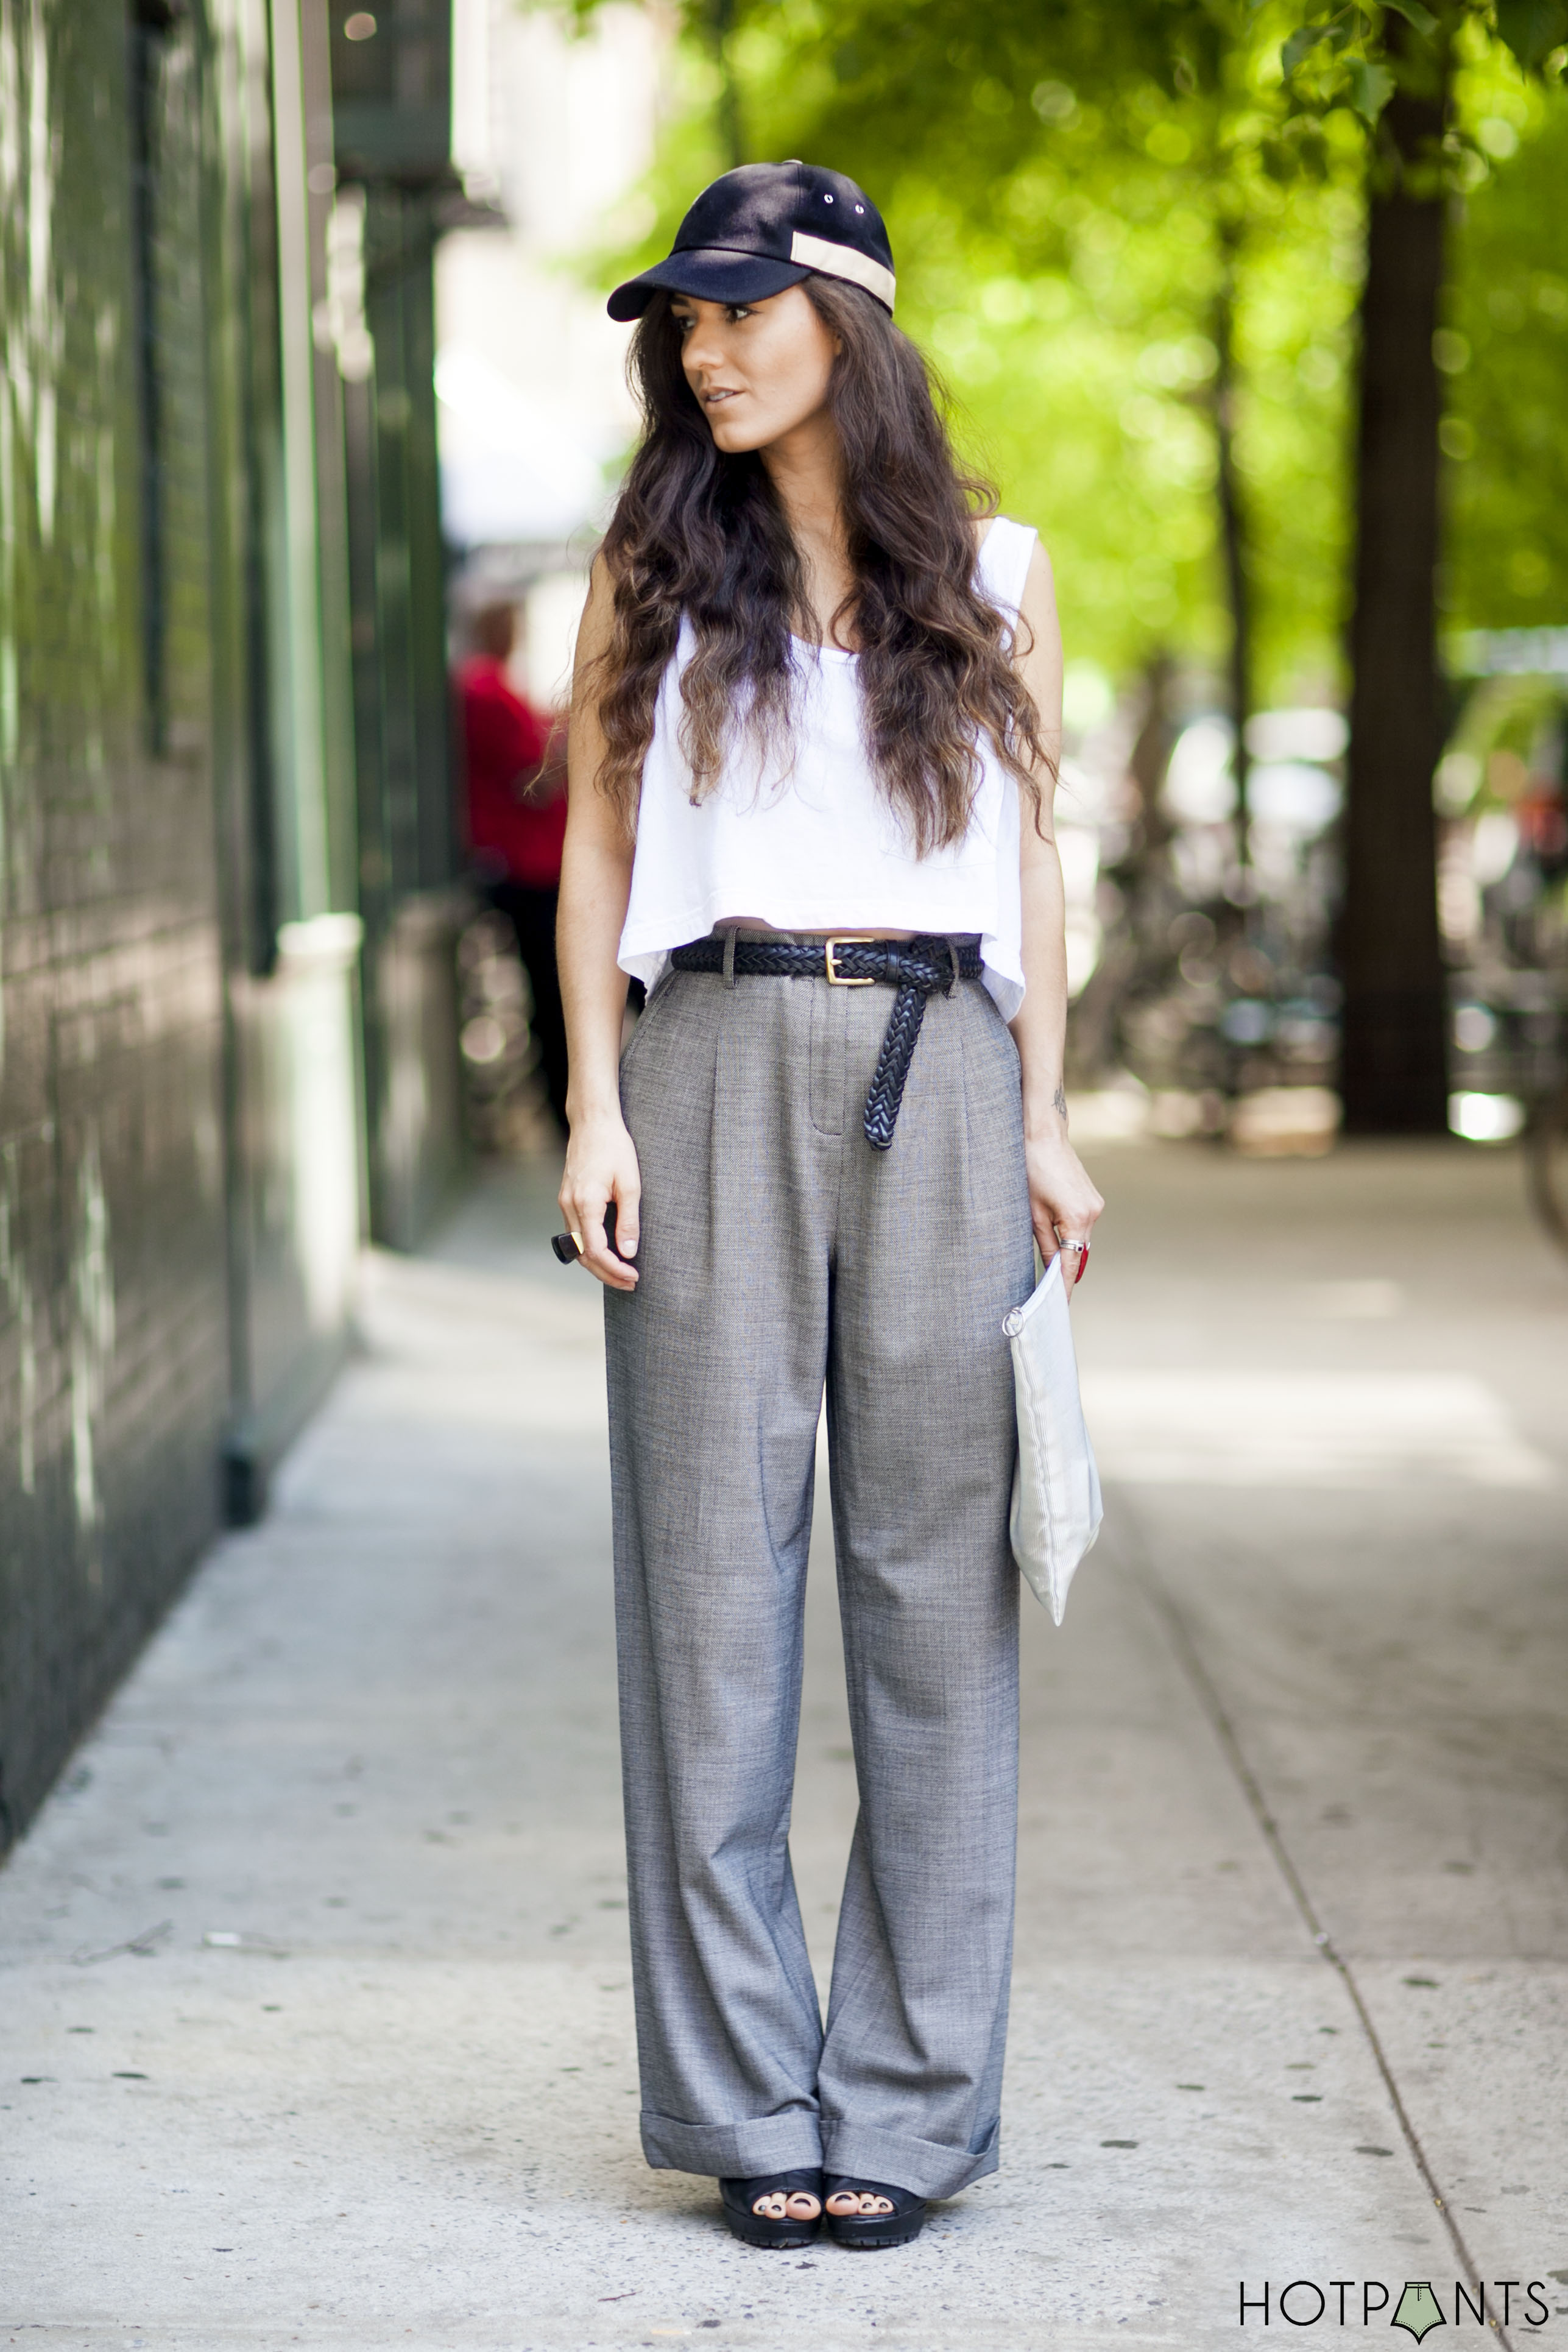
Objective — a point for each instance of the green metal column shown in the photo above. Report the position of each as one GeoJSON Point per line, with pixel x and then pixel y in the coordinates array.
{"type": "Point", "coordinates": [391, 98]}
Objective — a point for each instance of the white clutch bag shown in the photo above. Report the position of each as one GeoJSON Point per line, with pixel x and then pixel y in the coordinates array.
{"type": "Point", "coordinates": [1056, 1508]}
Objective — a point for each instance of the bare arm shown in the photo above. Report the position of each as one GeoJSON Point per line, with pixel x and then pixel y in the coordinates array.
{"type": "Point", "coordinates": [596, 883]}
{"type": "Point", "coordinates": [1061, 1198]}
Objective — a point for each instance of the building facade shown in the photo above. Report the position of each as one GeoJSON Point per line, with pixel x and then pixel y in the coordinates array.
{"type": "Point", "coordinates": [209, 1086]}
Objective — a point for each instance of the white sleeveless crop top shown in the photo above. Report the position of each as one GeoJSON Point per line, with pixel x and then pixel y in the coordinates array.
{"type": "Point", "coordinates": [820, 849]}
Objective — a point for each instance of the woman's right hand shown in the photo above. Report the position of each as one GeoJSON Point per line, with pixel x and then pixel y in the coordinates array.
{"type": "Point", "coordinates": [602, 1167]}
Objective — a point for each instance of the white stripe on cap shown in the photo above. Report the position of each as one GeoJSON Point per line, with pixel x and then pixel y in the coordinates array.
{"type": "Point", "coordinates": [842, 261]}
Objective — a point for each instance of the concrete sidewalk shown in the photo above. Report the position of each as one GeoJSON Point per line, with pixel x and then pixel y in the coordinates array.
{"type": "Point", "coordinates": [314, 2005]}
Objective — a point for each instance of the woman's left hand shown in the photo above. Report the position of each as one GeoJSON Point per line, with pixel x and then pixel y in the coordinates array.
{"type": "Point", "coordinates": [1063, 1202]}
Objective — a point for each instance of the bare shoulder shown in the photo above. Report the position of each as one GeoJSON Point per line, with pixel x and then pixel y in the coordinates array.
{"type": "Point", "coordinates": [1039, 581]}
{"type": "Point", "coordinates": [1041, 647]}
{"type": "Point", "coordinates": [1037, 603]}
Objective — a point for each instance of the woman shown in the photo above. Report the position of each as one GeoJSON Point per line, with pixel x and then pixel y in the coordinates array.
{"type": "Point", "coordinates": [807, 716]}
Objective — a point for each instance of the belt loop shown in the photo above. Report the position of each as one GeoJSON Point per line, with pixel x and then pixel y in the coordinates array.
{"type": "Point", "coordinates": [730, 936]}
{"type": "Point", "coordinates": [957, 968]}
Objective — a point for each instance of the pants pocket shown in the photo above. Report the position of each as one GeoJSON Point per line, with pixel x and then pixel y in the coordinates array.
{"type": "Point", "coordinates": [651, 1014]}
{"type": "Point", "coordinates": [996, 1178]}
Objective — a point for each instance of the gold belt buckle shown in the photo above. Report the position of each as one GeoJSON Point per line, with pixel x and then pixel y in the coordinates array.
{"type": "Point", "coordinates": [836, 979]}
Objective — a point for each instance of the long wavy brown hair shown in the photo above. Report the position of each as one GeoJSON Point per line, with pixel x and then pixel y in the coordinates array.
{"type": "Point", "coordinates": [699, 533]}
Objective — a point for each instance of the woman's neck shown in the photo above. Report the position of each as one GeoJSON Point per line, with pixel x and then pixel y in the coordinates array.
{"type": "Point", "coordinates": [807, 468]}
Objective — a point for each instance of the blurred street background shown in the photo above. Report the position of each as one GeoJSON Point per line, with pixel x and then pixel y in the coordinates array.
{"type": "Point", "coordinates": [311, 421]}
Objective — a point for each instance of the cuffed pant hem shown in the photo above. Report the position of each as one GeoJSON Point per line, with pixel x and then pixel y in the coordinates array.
{"type": "Point", "coordinates": [921, 2165]}
{"type": "Point", "coordinates": [743, 2151]}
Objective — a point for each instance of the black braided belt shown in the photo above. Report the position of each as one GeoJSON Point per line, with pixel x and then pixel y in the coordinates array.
{"type": "Point", "coordinates": [918, 968]}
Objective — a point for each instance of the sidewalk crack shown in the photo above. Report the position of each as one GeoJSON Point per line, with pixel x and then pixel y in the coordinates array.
{"type": "Point", "coordinates": [1135, 1555]}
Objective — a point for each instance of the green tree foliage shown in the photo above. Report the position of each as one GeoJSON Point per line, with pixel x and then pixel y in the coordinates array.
{"type": "Point", "coordinates": [1077, 327]}
{"type": "Point", "coordinates": [1135, 238]}
{"type": "Point", "coordinates": [1065, 189]}
{"type": "Point", "coordinates": [1397, 69]}
{"type": "Point", "coordinates": [1057, 180]}
{"type": "Point", "coordinates": [1503, 350]}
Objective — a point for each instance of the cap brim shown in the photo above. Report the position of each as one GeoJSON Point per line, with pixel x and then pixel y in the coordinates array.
{"type": "Point", "coordinates": [709, 274]}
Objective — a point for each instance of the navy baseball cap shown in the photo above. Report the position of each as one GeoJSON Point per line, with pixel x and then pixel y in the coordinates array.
{"type": "Point", "coordinates": [764, 227]}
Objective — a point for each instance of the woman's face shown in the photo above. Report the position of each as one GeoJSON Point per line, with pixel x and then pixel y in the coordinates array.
{"type": "Point", "coordinates": [759, 370]}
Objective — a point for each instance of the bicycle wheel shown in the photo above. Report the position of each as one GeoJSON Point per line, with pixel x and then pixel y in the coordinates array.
{"type": "Point", "coordinates": [1546, 1163]}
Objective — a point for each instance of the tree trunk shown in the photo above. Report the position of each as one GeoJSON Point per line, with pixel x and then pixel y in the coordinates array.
{"type": "Point", "coordinates": [1394, 1076]}
{"type": "Point", "coordinates": [1233, 541]}
{"type": "Point", "coordinates": [720, 23]}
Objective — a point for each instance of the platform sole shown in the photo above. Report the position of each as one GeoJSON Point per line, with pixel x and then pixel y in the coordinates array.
{"type": "Point", "coordinates": [773, 2237]}
{"type": "Point", "coordinates": [871, 2237]}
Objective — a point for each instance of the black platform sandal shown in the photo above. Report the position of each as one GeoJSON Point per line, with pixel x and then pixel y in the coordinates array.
{"type": "Point", "coordinates": [774, 2225]}
{"type": "Point", "coordinates": [887, 2216]}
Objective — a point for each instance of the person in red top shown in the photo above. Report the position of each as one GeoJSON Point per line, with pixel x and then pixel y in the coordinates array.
{"type": "Point", "coordinates": [516, 769]}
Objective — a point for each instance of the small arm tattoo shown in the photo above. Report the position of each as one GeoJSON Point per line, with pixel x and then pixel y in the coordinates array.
{"type": "Point", "coordinates": [1059, 1101]}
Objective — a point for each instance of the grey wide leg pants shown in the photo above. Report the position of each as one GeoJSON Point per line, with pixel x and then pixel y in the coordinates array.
{"type": "Point", "coordinates": [780, 1252]}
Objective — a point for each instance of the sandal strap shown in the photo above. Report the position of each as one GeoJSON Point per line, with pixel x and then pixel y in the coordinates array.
{"type": "Point", "coordinates": [902, 2201]}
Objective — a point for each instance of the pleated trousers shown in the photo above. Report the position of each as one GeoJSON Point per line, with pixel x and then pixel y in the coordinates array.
{"type": "Point", "coordinates": [781, 1256]}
